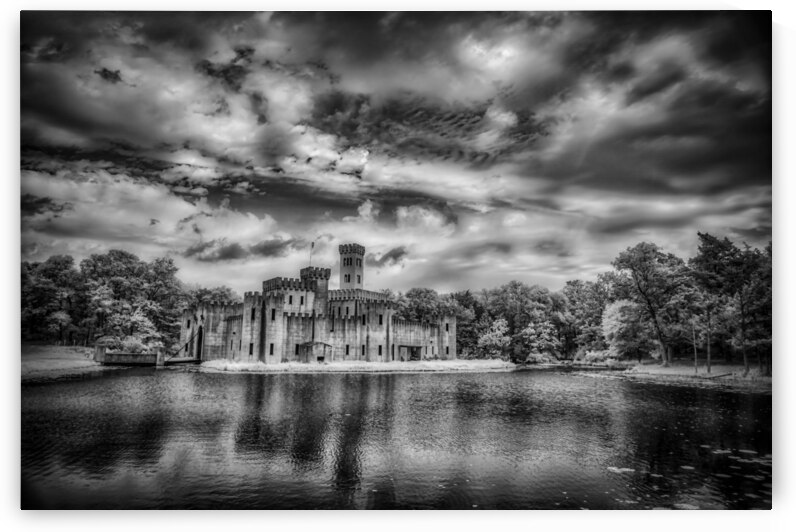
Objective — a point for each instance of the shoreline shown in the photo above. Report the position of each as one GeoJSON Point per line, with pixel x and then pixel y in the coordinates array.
{"type": "Point", "coordinates": [424, 366]}
{"type": "Point", "coordinates": [722, 377]}
{"type": "Point", "coordinates": [41, 364]}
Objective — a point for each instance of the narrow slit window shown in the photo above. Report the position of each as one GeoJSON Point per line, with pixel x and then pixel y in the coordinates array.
{"type": "Point", "coordinates": [273, 314]}
{"type": "Point", "coordinates": [254, 311]}
{"type": "Point", "coordinates": [381, 319]}
{"type": "Point", "coordinates": [271, 349]}
{"type": "Point", "coordinates": [302, 300]}
{"type": "Point", "coordinates": [347, 350]}
{"type": "Point", "coordinates": [289, 300]}
{"type": "Point", "coordinates": [251, 348]}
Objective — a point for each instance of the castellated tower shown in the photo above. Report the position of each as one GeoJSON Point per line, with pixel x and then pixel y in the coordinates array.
{"type": "Point", "coordinates": [352, 266]}
{"type": "Point", "coordinates": [320, 278]}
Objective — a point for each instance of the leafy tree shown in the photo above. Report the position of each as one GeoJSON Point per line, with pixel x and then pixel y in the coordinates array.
{"type": "Point", "coordinates": [657, 282]}
{"type": "Point", "coordinates": [493, 342]}
{"type": "Point", "coordinates": [627, 330]}
{"type": "Point", "coordinates": [540, 338]}
{"type": "Point", "coordinates": [196, 295]}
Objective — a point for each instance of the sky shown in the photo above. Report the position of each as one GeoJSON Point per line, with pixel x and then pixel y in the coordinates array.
{"type": "Point", "coordinates": [463, 150]}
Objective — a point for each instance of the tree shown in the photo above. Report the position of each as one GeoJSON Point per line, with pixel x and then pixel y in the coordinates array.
{"type": "Point", "coordinates": [740, 280]}
{"type": "Point", "coordinates": [657, 281]}
{"type": "Point", "coordinates": [626, 330]}
{"type": "Point", "coordinates": [493, 343]}
{"type": "Point", "coordinates": [540, 338]}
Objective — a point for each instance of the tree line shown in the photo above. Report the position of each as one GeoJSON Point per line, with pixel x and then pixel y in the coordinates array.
{"type": "Point", "coordinates": [113, 298]}
{"type": "Point", "coordinates": [652, 303]}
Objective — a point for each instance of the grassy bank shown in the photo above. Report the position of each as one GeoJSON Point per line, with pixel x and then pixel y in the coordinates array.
{"type": "Point", "coordinates": [361, 367]}
{"type": "Point", "coordinates": [47, 362]}
{"type": "Point", "coordinates": [729, 376]}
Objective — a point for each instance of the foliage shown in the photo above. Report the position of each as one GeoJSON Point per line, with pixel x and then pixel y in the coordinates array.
{"type": "Point", "coordinates": [493, 343]}
{"type": "Point", "coordinates": [540, 338]}
{"type": "Point", "coordinates": [626, 331]}
{"type": "Point", "coordinates": [114, 299]}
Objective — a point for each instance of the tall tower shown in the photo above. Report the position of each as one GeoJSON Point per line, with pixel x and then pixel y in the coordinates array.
{"type": "Point", "coordinates": [352, 266]}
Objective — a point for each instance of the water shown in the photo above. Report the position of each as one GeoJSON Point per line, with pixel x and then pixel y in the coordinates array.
{"type": "Point", "coordinates": [179, 438]}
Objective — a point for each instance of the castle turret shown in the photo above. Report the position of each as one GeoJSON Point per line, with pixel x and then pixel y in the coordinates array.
{"type": "Point", "coordinates": [320, 278]}
{"type": "Point", "coordinates": [352, 266]}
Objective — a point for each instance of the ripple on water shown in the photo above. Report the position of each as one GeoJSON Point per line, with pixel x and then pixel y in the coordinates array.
{"type": "Point", "coordinates": [181, 439]}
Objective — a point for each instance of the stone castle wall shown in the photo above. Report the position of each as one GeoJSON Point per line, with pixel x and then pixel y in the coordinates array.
{"type": "Point", "coordinates": [272, 326]}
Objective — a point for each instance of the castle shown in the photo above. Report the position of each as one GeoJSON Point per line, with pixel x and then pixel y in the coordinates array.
{"type": "Point", "coordinates": [301, 320]}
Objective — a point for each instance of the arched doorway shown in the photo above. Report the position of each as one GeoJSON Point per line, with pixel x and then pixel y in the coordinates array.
{"type": "Point", "coordinates": [199, 338]}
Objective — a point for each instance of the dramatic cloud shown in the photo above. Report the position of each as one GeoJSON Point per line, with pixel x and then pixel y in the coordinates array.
{"type": "Point", "coordinates": [462, 149]}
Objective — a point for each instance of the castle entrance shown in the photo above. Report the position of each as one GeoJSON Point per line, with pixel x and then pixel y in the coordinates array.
{"type": "Point", "coordinates": [409, 353]}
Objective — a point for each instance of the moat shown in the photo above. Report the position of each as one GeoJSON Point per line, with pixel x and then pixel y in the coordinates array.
{"type": "Point", "coordinates": [182, 438]}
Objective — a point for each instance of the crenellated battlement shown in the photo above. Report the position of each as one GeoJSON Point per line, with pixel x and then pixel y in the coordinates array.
{"type": "Point", "coordinates": [355, 249]}
{"type": "Point", "coordinates": [284, 283]}
{"type": "Point", "coordinates": [313, 272]}
{"type": "Point", "coordinates": [349, 294]}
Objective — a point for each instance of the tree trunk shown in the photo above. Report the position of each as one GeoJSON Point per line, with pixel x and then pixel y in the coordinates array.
{"type": "Point", "coordinates": [743, 351]}
{"type": "Point", "coordinates": [693, 337]}
{"type": "Point", "coordinates": [708, 365]}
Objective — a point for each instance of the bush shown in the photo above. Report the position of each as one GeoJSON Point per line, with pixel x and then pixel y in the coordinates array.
{"type": "Point", "coordinates": [539, 358]}
{"type": "Point", "coordinates": [133, 344]}
{"type": "Point", "coordinates": [603, 357]}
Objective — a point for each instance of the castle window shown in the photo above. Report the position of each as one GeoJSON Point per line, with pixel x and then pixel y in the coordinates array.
{"type": "Point", "coordinates": [339, 311]}
{"type": "Point", "coordinates": [346, 311]}
{"type": "Point", "coordinates": [302, 300]}
{"type": "Point", "coordinates": [253, 312]}
{"type": "Point", "coordinates": [240, 344]}
{"type": "Point", "coordinates": [271, 349]}
{"type": "Point", "coordinates": [379, 351]}
{"type": "Point", "coordinates": [359, 279]}
{"type": "Point", "coordinates": [297, 346]}
{"type": "Point", "coordinates": [251, 348]}
{"type": "Point", "coordinates": [346, 350]}
{"type": "Point", "coordinates": [273, 314]}
{"type": "Point", "coordinates": [363, 350]}
{"type": "Point", "coordinates": [381, 319]}
{"type": "Point", "coordinates": [290, 300]}
{"type": "Point", "coordinates": [363, 319]}
{"type": "Point", "coordinates": [446, 327]}
{"type": "Point", "coordinates": [447, 350]}
{"type": "Point", "coordinates": [189, 324]}
{"type": "Point", "coordinates": [231, 345]}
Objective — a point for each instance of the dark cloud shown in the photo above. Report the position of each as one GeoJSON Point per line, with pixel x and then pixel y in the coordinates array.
{"type": "Point", "coordinates": [416, 127]}
{"type": "Point", "coordinates": [276, 247]}
{"type": "Point", "coordinates": [486, 248]}
{"type": "Point", "coordinates": [111, 76]}
{"type": "Point", "coordinates": [231, 74]}
{"type": "Point", "coordinates": [557, 248]}
{"type": "Point", "coordinates": [389, 258]}
{"type": "Point", "coordinates": [216, 251]}
{"type": "Point", "coordinates": [32, 205]}
{"type": "Point", "coordinates": [663, 77]}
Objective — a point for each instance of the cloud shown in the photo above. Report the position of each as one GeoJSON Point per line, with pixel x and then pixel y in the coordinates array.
{"type": "Point", "coordinates": [392, 257]}
{"type": "Point", "coordinates": [32, 205]}
{"type": "Point", "coordinates": [467, 148]}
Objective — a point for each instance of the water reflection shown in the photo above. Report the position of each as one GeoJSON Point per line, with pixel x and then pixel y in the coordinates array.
{"type": "Point", "coordinates": [186, 439]}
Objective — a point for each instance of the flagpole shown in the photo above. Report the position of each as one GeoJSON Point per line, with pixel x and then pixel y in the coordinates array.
{"type": "Point", "coordinates": [312, 246]}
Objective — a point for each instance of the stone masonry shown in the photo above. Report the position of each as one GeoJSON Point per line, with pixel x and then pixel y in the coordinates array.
{"type": "Point", "coordinates": [301, 320]}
